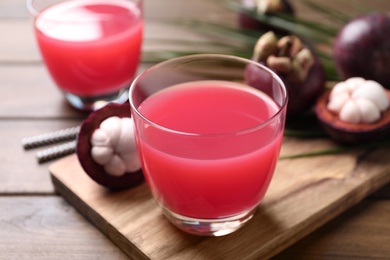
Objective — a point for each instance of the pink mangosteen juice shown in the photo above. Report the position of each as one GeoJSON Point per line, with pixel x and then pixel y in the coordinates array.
{"type": "Point", "coordinates": [221, 159]}
{"type": "Point", "coordinates": [91, 47]}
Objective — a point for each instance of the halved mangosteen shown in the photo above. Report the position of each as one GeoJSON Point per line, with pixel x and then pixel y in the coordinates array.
{"type": "Point", "coordinates": [98, 171]}
{"type": "Point", "coordinates": [344, 130]}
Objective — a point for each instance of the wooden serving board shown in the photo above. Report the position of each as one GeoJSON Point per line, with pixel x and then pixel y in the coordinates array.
{"type": "Point", "coordinates": [304, 194]}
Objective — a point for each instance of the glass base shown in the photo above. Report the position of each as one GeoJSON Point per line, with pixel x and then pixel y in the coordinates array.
{"type": "Point", "coordinates": [209, 227]}
{"type": "Point", "coordinates": [96, 102]}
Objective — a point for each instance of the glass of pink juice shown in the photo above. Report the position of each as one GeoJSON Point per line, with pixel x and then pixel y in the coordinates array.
{"type": "Point", "coordinates": [208, 141]}
{"type": "Point", "coordinates": [90, 47]}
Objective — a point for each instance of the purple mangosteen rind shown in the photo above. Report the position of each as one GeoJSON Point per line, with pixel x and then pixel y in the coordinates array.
{"type": "Point", "coordinates": [362, 48]}
{"type": "Point", "coordinates": [348, 133]}
{"type": "Point", "coordinates": [246, 21]}
{"type": "Point", "coordinates": [303, 96]}
{"type": "Point", "coordinates": [303, 91]}
{"type": "Point", "coordinates": [83, 150]}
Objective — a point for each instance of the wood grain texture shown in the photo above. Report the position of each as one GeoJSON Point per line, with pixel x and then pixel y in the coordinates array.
{"type": "Point", "coordinates": [20, 172]}
{"type": "Point", "coordinates": [304, 194]}
{"type": "Point", "coordinates": [361, 233]}
{"type": "Point", "coordinates": [45, 227]}
{"type": "Point", "coordinates": [49, 228]}
{"type": "Point", "coordinates": [18, 44]}
{"type": "Point", "coordinates": [28, 92]}
{"type": "Point", "coordinates": [383, 194]}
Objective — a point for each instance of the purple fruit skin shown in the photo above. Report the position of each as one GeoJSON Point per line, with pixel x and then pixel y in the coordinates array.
{"type": "Point", "coordinates": [362, 48]}
{"type": "Point", "coordinates": [302, 96]}
{"type": "Point", "coordinates": [346, 133]}
{"type": "Point", "coordinates": [83, 151]}
{"type": "Point", "coordinates": [249, 23]}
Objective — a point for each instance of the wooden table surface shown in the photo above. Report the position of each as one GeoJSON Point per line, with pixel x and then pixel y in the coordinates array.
{"type": "Point", "coordinates": [36, 223]}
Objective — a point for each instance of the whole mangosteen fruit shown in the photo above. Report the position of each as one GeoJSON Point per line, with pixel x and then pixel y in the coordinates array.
{"type": "Point", "coordinates": [263, 7]}
{"type": "Point", "coordinates": [362, 48]}
{"type": "Point", "coordinates": [297, 66]}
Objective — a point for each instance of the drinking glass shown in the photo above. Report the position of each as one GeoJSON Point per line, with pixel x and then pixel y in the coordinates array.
{"type": "Point", "coordinates": [91, 48]}
{"type": "Point", "coordinates": [208, 140]}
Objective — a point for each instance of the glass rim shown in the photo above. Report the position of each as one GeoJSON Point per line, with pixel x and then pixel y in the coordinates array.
{"type": "Point", "coordinates": [274, 117]}
{"type": "Point", "coordinates": [34, 12]}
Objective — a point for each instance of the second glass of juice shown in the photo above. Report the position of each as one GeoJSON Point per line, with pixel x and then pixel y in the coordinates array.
{"type": "Point", "coordinates": [208, 141]}
{"type": "Point", "coordinates": [90, 47]}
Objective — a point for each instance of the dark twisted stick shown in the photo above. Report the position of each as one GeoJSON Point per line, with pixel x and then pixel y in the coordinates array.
{"type": "Point", "coordinates": [56, 152]}
{"type": "Point", "coordinates": [50, 138]}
